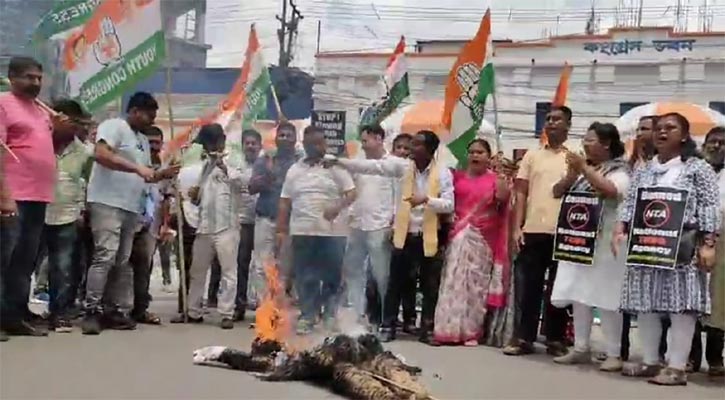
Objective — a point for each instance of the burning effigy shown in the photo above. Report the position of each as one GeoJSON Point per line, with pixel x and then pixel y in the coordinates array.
{"type": "Point", "coordinates": [357, 367]}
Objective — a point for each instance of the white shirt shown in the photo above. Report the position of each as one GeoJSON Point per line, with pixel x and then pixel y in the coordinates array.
{"type": "Point", "coordinates": [247, 202]}
{"type": "Point", "coordinates": [219, 195]}
{"type": "Point", "coordinates": [311, 189]}
{"type": "Point", "coordinates": [395, 167]}
{"type": "Point", "coordinates": [375, 204]}
{"type": "Point", "coordinates": [188, 177]}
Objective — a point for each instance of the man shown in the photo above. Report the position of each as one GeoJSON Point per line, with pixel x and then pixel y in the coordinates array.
{"type": "Point", "coordinates": [316, 197]}
{"type": "Point", "coordinates": [146, 236]}
{"type": "Point", "coordinates": [63, 215]}
{"type": "Point", "coordinates": [425, 196]}
{"type": "Point", "coordinates": [251, 146]}
{"type": "Point", "coordinates": [164, 242]}
{"type": "Point", "coordinates": [217, 233]}
{"type": "Point", "coordinates": [401, 145]}
{"type": "Point", "coordinates": [268, 174]}
{"type": "Point", "coordinates": [372, 214]}
{"type": "Point", "coordinates": [535, 217]}
{"type": "Point", "coordinates": [115, 196]}
{"type": "Point", "coordinates": [26, 187]}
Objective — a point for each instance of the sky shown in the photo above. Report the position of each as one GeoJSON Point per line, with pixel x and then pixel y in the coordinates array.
{"type": "Point", "coordinates": [376, 25]}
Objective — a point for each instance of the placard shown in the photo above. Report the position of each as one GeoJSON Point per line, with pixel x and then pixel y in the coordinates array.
{"type": "Point", "coordinates": [575, 238]}
{"type": "Point", "coordinates": [656, 228]}
{"type": "Point", "coordinates": [332, 123]}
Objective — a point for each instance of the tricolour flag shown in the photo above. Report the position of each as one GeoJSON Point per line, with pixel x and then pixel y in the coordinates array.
{"type": "Point", "coordinates": [562, 89]}
{"type": "Point", "coordinates": [396, 85]}
{"type": "Point", "coordinates": [120, 44]}
{"type": "Point", "coordinates": [470, 82]}
{"type": "Point", "coordinates": [257, 85]}
{"type": "Point", "coordinates": [64, 16]}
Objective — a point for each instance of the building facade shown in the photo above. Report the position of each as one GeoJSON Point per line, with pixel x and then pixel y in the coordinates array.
{"type": "Point", "coordinates": [612, 73]}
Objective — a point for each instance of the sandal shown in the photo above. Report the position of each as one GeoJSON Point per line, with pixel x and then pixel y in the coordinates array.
{"type": "Point", "coordinates": [520, 349]}
{"type": "Point", "coordinates": [179, 319]}
{"type": "Point", "coordinates": [670, 377]}
{"type": "Point", "coordinates": [640, 370]}
{"type": "Point", "coordinates": [147, 318]}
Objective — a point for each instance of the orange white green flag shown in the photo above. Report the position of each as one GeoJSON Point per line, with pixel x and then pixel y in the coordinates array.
{"type": "Point", "coordinates": [562, 89]}
{"type": "Point", "coordinates": [470, 83]}
{"type": "Point", "coordinates": [120, 44]}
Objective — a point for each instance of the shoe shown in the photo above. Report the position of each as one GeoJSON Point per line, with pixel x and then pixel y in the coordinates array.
{"type": "Point", "coordinates": [91, 324]}
{"type": "Point", "coordinates": [410, 329]}
{"type": "Point", "coordinates": [611, 364]}
{"type": "Point", "coordinates": [427, 338]}
{"type": "Point", "coordinates": [179, 319]}
{"type": "Point", "coordinates": [147, 318]}
{"type": "Point", "coordinates": [520, 349]}
{"type": "Point", "coordinates": [62, 325]}
{"type": "Point", "coordinates": [227, 323]}
{"type": "Point", "coordinates": [556, 349]}
{"type": "Point", "coordinates": [636, 370]}
{"type": "Point", "coordinates": [117, 321]}
{"type": "Point", "coordinates": [387, 335]}
{"type": "Point", "coordinates": [303, 327]}
{"type": "Point", "coordinates": [24, 328]}
{"type": "Point", "coordinates": [42, 297]}
{"type": "Point", "coordinates": [574, 357]}
{"type": "Point", "coordinates": [670, 377]}
{"type": "Point", "coordinates": [239, 315]}
{"type": "Point", "coordinates": [716, 371]}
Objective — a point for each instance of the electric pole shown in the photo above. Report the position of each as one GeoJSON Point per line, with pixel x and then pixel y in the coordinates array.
{"type": "Point", "coordinates": [287, 32]}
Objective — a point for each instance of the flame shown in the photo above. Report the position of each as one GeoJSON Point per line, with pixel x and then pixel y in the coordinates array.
{"type": "Point", "coordinates": [272, 321]}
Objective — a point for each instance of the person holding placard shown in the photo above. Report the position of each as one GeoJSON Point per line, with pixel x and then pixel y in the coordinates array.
{"type": "Point", "coordinates": [680, 291]}
{"type": "Point", "coordinates": [604, 172]}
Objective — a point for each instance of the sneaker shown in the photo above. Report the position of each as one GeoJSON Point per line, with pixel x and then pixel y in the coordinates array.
{"type": "Point", "coordinates": [574, 357]}
{"type": "Point", "coordinates": [91, 324]}
{"type": "Point", "coordinates": [62, 325]}
{"type": "Point", "coordinates": [611, 364]}
{"type": "Point", "coordinates": [116, 320]}
{"type": "Point", "coordinates": [227, 323]}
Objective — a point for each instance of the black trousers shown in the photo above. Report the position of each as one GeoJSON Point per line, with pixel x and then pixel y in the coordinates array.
{"type": "Point", "coordinates": [189, 236]}
{"type": "Point", "coordinates": [713, 347]}
{"type": "Point", "coordinates": [532, 264]}
{"type": "Point", "coordinates": [405, 263]}
{"type": "Point", "coordinates": [244, 258]}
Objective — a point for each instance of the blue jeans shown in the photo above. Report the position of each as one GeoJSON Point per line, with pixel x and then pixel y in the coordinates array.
{"type": "Point", "coordinates": [62, 271]}
{"type": "Point", "coordinates": [361, 244]}
{"type": "Point", "coordinates": [20, 242]}
{"type": "Point", "coordinates": [317, 262]}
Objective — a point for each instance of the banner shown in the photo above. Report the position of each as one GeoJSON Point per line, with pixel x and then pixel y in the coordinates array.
{"type": "Point", "coordinates": [65, 15]}
{"type": "Point", "coordinates": [332, 123]}
{"type": "Point", "coordinates": [121, 44]}
{"type": "Point", "coordinates": [656, 228]}
{"type": "Point", "coordinates": [575, 239]}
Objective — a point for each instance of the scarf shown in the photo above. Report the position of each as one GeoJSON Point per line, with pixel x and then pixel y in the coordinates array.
{"type": "Point", "coordinates": [582, 184]}
{"type": "Point", "coordinates": [430, 218]}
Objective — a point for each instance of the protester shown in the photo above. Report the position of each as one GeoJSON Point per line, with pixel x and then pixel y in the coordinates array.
{"type": "Point", "coordinates": [535, 216]}
{"type": "Point", "coordinates": [268, 174]}
{"type": "Point", "coordinates": [426, 194]}
{"type": "Point", "coordinates": [26, 188]}
{"type": "Point", "coordinates": [313, 212]}
{"type": "Point", "coordinates": [477, 263]}
{"type": "Point", "coordinates": [369, 236]}
{"type": "Point", "coordinates": [586, 287]}
{"type": "Point", "coordinates": [217, 233]}
{"type": "Point", "coordinates": [164, 242]}
{"type": "Point", "coordinates": [251, 146]}
{"type": "Point", "coordinates": [644, 149]}
{"type": "Point", "coordinates": [680, 292]}
{"type": "Point", "coordinates": [63, 215]}
{"type": "Point", "coordinates": [115, 196]}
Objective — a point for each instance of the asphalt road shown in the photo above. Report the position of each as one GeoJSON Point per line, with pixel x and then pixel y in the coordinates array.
{"type": "Point", "coordinates": [155, 363]}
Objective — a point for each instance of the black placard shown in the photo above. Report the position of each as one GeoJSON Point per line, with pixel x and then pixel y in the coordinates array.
{"type": "Point", "coordinates": [332, 123]}
{"type": "Point", "coordinates": [656, 228]}
{"type": "Point", "coordinates": [578, 225]}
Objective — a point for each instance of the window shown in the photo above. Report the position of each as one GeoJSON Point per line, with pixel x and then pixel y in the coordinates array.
{"type": "Point", "coordinates": [718, 106]}
{"type": "Point", "coordinates": [542, 108]}
{"type": "Point", "coordinates": [624, 107]}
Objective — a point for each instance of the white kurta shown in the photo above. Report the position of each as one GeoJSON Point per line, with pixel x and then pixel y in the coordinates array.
{"type": "Point", "coordinates": [600, 284]}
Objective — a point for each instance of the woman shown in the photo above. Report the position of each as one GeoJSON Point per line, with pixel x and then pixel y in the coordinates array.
{"type": "Point", "coordinates": [584, 287]}
{"type": "Point", "coordinates": [680, 292]}
{"type": "Point", "coordinates": [477, 257]}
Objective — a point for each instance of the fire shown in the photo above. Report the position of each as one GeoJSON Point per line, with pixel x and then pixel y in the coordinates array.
{"type": "Point", "coordinates": [272, 322]}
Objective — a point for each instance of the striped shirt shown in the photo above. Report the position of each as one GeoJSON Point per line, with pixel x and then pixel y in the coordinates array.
{"type": "Point", "coordinates": [219, 195]}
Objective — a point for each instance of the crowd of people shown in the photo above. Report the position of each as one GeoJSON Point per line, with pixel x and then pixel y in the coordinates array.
{"type": "Point", "coordinates": [366, 232]}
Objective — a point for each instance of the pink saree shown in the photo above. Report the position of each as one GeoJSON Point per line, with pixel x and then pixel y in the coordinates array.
{"type": "Point", "coordinates": [476, 270]}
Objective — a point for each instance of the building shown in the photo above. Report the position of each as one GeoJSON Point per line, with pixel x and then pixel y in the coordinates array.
{"type": "Point", "coordinates": [612, 73]}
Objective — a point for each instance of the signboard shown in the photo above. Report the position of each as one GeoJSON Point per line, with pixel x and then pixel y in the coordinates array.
{"type": "Point", "coordinates": [332, 123]}
{"type": "Point", "coordinates": [656, 228]}
{"type": "Point", "coordinates": [575, 238]}
{"type": "Point", "coordinates": [614, 48]}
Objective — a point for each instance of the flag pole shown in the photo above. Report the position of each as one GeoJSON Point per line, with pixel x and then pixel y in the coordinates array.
{"type": "Point", "coordinates": [497, 127]}
{"type": "Point", "coordinates": [280, 116]}
{"type": "Point", "coordinates": [180, 261]}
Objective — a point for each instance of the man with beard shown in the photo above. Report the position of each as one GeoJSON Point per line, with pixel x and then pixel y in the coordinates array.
{"type": "Point", "coordinates": [119, 177]}
{"type": "Point", "coordinates": [535, 217]}
{"type": "Point", "coordinates": [268, 174]}
{"type": "Point", "coordinates": [26, 187]}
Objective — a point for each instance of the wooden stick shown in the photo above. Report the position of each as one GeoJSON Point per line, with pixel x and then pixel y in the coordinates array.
{"type": "Point", "coordinates": [7, 149]}
{"type": "Point", "coordinates": [280, 116]}
{"type": "Point", "coordinates": [396, 384]}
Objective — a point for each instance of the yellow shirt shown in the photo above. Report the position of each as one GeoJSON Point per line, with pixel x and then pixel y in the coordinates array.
{"type": "Point", "coordinates": [542, 169]}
